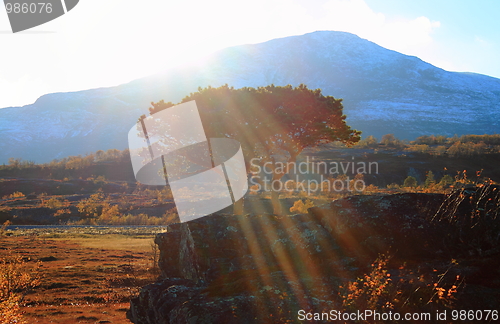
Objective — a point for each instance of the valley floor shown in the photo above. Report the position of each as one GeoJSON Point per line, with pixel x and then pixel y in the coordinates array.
{"type": "Point", "coordinates": [83, 279]}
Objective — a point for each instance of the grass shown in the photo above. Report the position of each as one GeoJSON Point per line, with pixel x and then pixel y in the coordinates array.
{"type": "Point", "coordinates": [84, 277]}
{"type": "Point", "coordinates": [90, 273]}
{"type": "Point", "coordinates": [113, 242]}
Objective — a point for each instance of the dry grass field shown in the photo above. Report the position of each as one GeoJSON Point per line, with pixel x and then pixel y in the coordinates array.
{"type": "Point", "coordinates": [82, 279]}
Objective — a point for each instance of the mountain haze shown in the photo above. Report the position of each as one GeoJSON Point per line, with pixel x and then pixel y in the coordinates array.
{"type": "Point", "coordinates": [383, 92]}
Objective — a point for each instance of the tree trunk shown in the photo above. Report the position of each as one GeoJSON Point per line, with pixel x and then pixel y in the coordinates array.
{"type": "Point", "coordinates": [277, 208]}
{"type": "Point", "coordinates": [275, 200]}
{"type": "Point", "coordinates": [275, 195]}
{"type": "Point", "coordinates": [238, 206]}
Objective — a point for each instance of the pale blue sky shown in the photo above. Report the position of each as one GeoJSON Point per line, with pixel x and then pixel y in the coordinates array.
{"type": "Point", "coordinates": [105, 43]}
{"type": "Point", "coordinates": [469, 32]}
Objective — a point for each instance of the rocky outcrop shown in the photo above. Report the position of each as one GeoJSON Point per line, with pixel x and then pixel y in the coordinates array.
{"type": "Point", "coordinates": [247, 269]}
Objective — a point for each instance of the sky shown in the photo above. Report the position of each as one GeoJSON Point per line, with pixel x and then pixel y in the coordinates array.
{"type": "Point", "coordinates": [106, 43]}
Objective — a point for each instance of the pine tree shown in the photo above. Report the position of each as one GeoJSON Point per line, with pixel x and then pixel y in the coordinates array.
{"type": "Point", "coordinates": [429, 181]}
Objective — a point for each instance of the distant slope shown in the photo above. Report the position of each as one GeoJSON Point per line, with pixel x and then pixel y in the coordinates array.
{"type": "Point", "coordinates": [383, 91]}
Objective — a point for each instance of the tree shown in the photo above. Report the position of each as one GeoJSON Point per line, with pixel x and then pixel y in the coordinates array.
{"type": "Point", "coordinates": [369, 141]}
{"type": "Point", "coordinates": [388, 139]}
{"type": "Point", "coordinates": [410, 182]}
{"type": "Point", "coordinates": [93, 206]}
{"type": "Point", "coordinates": [271, 122]}
{"type": "Point", "coordinates": [446, 180]}
{"type": "Point", "coordinates": [429, 180]}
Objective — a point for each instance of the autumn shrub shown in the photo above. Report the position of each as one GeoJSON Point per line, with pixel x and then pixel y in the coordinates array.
{"type": "Point", "coordinates": [431, 140]}
{"type": "Point", "coordinates": [418, 148]}
{"type": "Point", "coordinates": [299, 207]}
{"type": "Point", "coordinates": [100, 180]}
{"type": "Point", "coordinates": [97, 210]}
{"type": "Point", "coordinates": [4, 227]}
{"type": "Point", "coordinates": [141, 219]}
{"type": "Point", "coordinates": [54, 203]}
{"type": "Point", "coordinates": [160, 195]}
{"type": "Point", "coordinates": [400, 290]}
{"type": "Point", "coordinates": [467, 149]}
{"type": "Point", "coordinates": [164, 194]}
{"type": "Point", "coordinates": [92, 206]}
{"type": "Point", "coordinates": [369, 142]}
{"type": "Point", "coordinates": [109, 214]}
{"type": "Point", "coordinates": [393, 186]}
{"type": "Point", "coordinates": [62, 213]}
{"type": "Point", "coordinates": [371, 189]}
{"type": "Point", "coordinates": [111, 217]}
{"type": "Point", "coordinates": [17, 277]}
{"type": "Point", "coordinates": [10, 311]}
{"type": "Point", "coordinates": [370, 291]}
{"type": "Point", "coordinates": [16, 194]}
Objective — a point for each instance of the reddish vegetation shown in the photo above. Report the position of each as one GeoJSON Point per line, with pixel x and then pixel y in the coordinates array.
{"type": "Point", "coordinates": [80, 284]}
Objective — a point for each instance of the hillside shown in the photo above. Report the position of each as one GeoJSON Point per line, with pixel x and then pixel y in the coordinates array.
{"type": "Point", "coordinates": [383, 91]}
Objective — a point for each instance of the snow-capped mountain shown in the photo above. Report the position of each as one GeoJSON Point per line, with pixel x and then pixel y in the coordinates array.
{"type": "Point", "coordinates": [383, 92]}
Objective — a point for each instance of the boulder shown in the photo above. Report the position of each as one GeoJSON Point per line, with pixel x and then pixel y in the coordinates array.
{"type": "Point", "coordinates": [265, 268]}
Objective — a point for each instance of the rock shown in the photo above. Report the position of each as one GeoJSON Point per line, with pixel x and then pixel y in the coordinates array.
{"type": "Point", "coordinates": [48, 258]}
{"type": "Point", "coordinates": [265, 268]}
{"type": "Point", "coordinates": [357, 227]}
{"type": "Point", "coordinates": [239, 298]}
{"type": "Point", "coordinates": [204, 249]}
{"type": "Point", "coordinates": [366, 226]}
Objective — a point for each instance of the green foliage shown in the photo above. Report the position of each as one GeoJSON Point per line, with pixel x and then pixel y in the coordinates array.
{"type": "Point", "coordinates": [429, 180]}
{"type": "Point", "coordinates": [446, 180]}
{"type": "Point", "coordinates": [410, 182]}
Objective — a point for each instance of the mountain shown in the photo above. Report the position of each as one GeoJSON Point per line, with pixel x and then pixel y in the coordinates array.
{"type": "Point", "coordinates": [384, 92]}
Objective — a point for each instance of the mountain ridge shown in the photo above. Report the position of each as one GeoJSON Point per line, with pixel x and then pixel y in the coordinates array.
{"type": "Point", "coordinates": [383, 91]}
